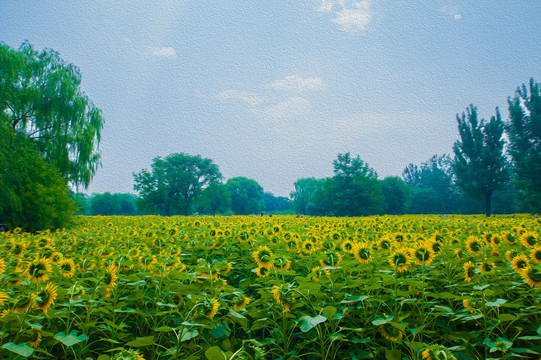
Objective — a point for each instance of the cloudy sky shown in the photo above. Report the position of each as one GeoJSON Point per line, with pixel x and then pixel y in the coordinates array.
{"type": "Point", "coordinates": [274, 90]}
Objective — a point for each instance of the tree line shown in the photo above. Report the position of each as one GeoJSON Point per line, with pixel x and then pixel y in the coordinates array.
{"type": "Point", "coordinates": [50, 133]}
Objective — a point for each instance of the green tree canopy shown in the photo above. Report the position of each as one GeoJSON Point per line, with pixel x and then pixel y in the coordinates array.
{"type": "Point", "coordinates": [33, 195]}
{"type": "Point", "coordinates": [246, 195]}
{"type": "Point", "coordinates": [479, 164]}
{"type": "Point", "coordinates": [40, 96]}
{"type": "Point", "coordinates": [214, 198]}
{"type": "Point", "coordinates": [305, 194]}
{"type": "Point", "coordinates": [396, 193]}
{"type": "Point", "coordinates": [524, 133]}
{"type": "Point", "coordinates": [174, 182]}
{"type": "Point", "coordinates": [354, 190]}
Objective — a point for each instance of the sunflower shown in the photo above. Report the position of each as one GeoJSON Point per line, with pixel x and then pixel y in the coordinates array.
{"type": "Point", "coordinates": [3, 297]}
{"type": "Point", "coordinates": [56, 257]}
{"type": "Point", "coordinates": [400, 259]}
{"type": "Point", "coordinates": [130, 354]}
{"type": "Point", "coordinates": [391, 333]}
{"type": "Point", "coordinates": [110, 276]}
{"type": "Point", "coordinates": [520, 263]}
{"type": "Point", "coordinates": [362, 253]}
{"type": "Point", "coordinates": [436, 352]}
{"type": "Point", "coordinates": [239, 302]}
{"type": "Point", "coordinates": [262, 271]}
{"type": "Point", "coordinates": [459, 252]}
{"type": "Point", "coordinates": [535, 255]}
{"type": "Point", "coordinates": [529, 239]}
{"type": "Point", "coordinates": [46, 297]}
{"type": "Point", "coordinates": [35, 339]}
{"type": "Point", "coordinates": [496, 241]}
{"type": "Point", "coordinates": [2, 266]}
{"type": "Point", "coordinates": [38, 270]}
{"type": "Point", "coordinates": [283, 296]}
{"type": "Point", "coordinates": [468, 306]}
{"type": "Point", "coordinates": [474, 245]}
{"type": "Point", "coordinates": [384, 243]}
{"type": "Point", "coordinates": [263, 257]}
{"type": "Point", "coordinates": [331, 259]}
{"type": "Point", "coordinates": [281, 263]}
{"type": "Point", "coordinates": [347, 246]}
{"type": "Point", "coordinates": [423, 254]}
{"type": "Point", "coordinates": [210, 307]}
{"type": "Point", "coordinates": [223, 268]}
{"type": "Point", "coordinates": [23, 303]}
{"type": "Point", "coordinates": [66, 268]}
{"type": "Point", "coordinates": [532, 276]}
{"type": "Point", "coordinates": [469, 271]}
{"type": "Point", "coordinates": [510, 254]}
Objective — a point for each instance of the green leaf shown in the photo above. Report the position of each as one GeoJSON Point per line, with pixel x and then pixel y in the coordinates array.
{"type": "Point", "coordinates": [481, 287]}
{"type": "Point", "coordinates": [507, 317]}
{"type": "Point", "coordinates": [496, 303]}
{"type": "Point", "coordinates": [188, 335]}
{"type": "Point", "coordinates": [141, 341]}
{"type": "Point", "coordinates": [23, 349]}
{"type": "Point", "coordinates": [329, 311]}
{"type": "Point", "coordinates": [220, 331]}
{"type": "Point", "coordinates": [103, 357]}
{"type": "Point", "coordinates": [393, 354]}
{"type": "Point", "coordinates": [215, 353]}
{"type": "Point", "coordinates": [307, 323]}
{"type": "Point", "coordinates": [380, 321]}
{"type": "Point", "coordinates": [414, 345]}
{"type": "Point", "coordinates": [259, 324]}
{"type": "Point", "coordinates": [529, 337]}
{"type": "Point", "coordinates": [70, 339]}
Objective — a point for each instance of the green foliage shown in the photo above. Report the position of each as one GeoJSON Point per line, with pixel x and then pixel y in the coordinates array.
{"type": "Point", "coordinates": [105, 204]}
{"type": "Point", "coordinates": [479, 163]}
{"type": "Point", "coordinates": [174, 183]}
{"type": "Point", "coordinates": [354, 190]}
{"type": "Point", "coordinates": [40, 97]}
{"type": "Point", "coordinates": [524, 133]}
{"type": "Point", "coordinates": [305, 194]}
{"type": "Point", "coordinates": [246, 195]}
{"type": "Point", "coordinates": [276, 204]}
{"type": "Point", "coordinates": [33, 195]}
{"type": "Point", "coordinates": [396, 193]}
{"type": "Point", "coordinates": [215, 198]}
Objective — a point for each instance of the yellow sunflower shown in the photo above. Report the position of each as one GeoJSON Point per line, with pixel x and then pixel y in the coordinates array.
{"type": "Point", "coordinates": [262, 271]}
{"type": "Point", "coordinates": [469, 271]}
{"type": "Point", "coordinates": [111, 275]}
{"type": "Point", "coordinates": [239, 302]}
{"type": "Point", "coordinates": [474, 245]}
{"type": "Point", "coordinates": [391, 333]}
{"type": "Point", "coordinates": [281, 263]}
{"type": "Point", "coordinates": [263, 256]}
{"type": "Point", "coordinates": [66, 268]}
{"type": "Point", "coordinates": [400, 259]}
{"type": "Point", "coordinates": [23, 303]}
{"type": "Point", "coordinates": [520, 263]}
{"type": "Point", "coordinates": [38, 270]}
{"type": "Point", "coordinates": [535, 254]}
{"type": "Point", "coordinates": [362, 252]}
{"type": "Point", "coordinates": [210, 307]}
{"type": "Point", "coordinates": [46, 297]}
{"type": "Point", "coordinates": [283, 296]}
{"type": "Point", "coordinates": [532, 276]}
{"type": "Point", "coordinates": [3, 297]}
{"type": "Point", "coordinates": [35, 339]}
{"type": "Point", "coordinates": [423, 254]}
{"type": "Point", "coordinates": [347, 246]}
{"type": "Point", "coordinates": [529, 239]}
{"type": "Point", "coordinates": [436, 352]}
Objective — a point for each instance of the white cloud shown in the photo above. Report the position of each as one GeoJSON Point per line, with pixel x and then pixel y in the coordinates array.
{"type": "Point", "coordinates": [290, 106]}
{"type": "Point", "coordinates": [451, 10]}
{"type": "Point", "coordinates": [351, 16]}
{"type": "Point", "coordinates": [297, 83]}
{"type": "Point", "coordinates": [164, 51]}
{"type": "Point", "coordinates": [245, 96]}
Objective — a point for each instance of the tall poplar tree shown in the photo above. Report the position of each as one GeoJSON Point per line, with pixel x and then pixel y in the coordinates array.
{"type": "Point", "coordinates": [480, 165]}
{"type": "Point", "coordinates": [524, 133]}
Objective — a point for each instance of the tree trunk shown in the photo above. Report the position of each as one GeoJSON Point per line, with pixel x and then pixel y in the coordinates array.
{"type": "Point", "coordinates": [488, 196]}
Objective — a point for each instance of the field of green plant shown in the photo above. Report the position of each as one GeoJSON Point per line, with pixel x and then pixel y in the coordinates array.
{"type": "Point", "coordinates": [282, 287]}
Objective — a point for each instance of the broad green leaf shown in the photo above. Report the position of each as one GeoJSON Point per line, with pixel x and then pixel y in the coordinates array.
{"type": "Point", "coordinates": [215, 353]}
{"type": "Point", "coordinates": [393, 354]}
{"type": "Point", "coordinates": [507, 317]}
{"type": "Point", "coordinates": [23, 349]}
{"type": "Point", "coordinates": [306, 323]}
{"type": "Point", "coordinates": [141, 341]}
{"type": "Point", "coordinates": [496, 303]}
{"type": "Point", "coordinates": [329, 311]}
{"type": "Point", "coordinates": [380, 321]}
{"type": "Point", "coordinates": [188, 335]}
{"type": "Point", "coordinates": [70, 339]}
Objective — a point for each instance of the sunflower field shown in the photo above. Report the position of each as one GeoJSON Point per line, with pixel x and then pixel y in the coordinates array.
{"type": "Point", "coordinates": [281, 287]}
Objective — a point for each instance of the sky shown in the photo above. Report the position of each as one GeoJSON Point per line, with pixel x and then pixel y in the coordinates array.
{"type": "Point", "coordinates": [275, 90]}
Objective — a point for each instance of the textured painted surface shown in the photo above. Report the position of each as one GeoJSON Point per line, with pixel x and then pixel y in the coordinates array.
{"type": "Point", "coordinates": [274, 90]}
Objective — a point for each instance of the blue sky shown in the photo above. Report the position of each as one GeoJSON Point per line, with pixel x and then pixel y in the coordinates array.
{"type": "Point", "coordinates": [274, 90]}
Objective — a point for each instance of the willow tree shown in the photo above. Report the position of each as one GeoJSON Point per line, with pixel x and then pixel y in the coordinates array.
{"type": "Point", "coordinates": [40, 96]}
{"type": "Point", "coordinates": [480, 165]}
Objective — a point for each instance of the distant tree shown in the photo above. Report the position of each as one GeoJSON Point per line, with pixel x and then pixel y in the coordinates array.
{"type": "Point", "coordinates": [83, 203]}
{"type": "Point", "coordinates": [214, 198]}
{"type": "Point", "coordinates": [524, 133]}
{"type": "Point", "coordinates": [354, 190]}
{"type": "Point", "coordinates": [105, 204]}
{"type": "Point", "coordinates": [246, 195]}
{"type": "Point", "coordinates": [276, 203]}
{"type": "Point", "coordinates": [305, 194]}
{"type": "Point", "coordinates": [396, 193]}
{"type": "Point", "coordinates": [174, 182]}
{"type": "Point", "coordinates": [127, 204]}
{"type": "Point", "coordinates": [33, 195]}
{"type": "Point", "coordinates": [40, 96]}
{"type": "Point", "coordinates": [437, 175]}
{"type": "Point", "coordinates": [479, 163]}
